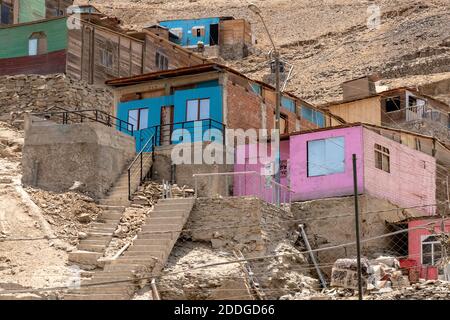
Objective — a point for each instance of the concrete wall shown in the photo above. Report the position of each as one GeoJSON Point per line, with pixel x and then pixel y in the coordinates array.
{"type": "Point", "coordinates": [182, 173]}
{"type": "Point", "coordinates": [412, 177]}
{"type": "Point", "coordinates": [246, 223]}
{"type": "Point", "coordinates": [331, 222]}
{"type": "Point", "coordinates": [55, 156]}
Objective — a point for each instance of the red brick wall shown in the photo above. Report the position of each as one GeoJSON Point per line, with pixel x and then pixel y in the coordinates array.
{"type": "Point", "coordinates": [244, 109]}
{"type": "Point", "coordinates": [54, 62]}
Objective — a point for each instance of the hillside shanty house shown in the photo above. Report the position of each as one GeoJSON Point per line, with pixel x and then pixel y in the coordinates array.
{"type": "Point", "coordinates": [398, 108]}
{"type": "Point", "coordinates": [37, 47]}
{"type": "Point", "coordinates": [33, 36]}
{"type": "Point", "coordinates": [229, 37]}
{"type": "Point", "coordinates": [23, 11]}
{"type": "Point", "coordinates": [216, 95]}
{"type": "Point", "coordinates": [320, 166]}
{"type": "Point", "coordinates": [100, 49]}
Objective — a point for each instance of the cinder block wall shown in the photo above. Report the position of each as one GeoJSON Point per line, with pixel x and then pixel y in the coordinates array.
{"type": "Point", "coordinates": [55, 156]}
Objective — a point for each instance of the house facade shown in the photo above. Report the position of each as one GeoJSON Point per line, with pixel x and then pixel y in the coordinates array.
{"type": "Point", "coordinates": [320, 166]}
{"type": "Point", "coordinates": [35, 47]}
{"type": "Point", "coordinates": [232, 37]}
{"type": "Point", "coordinates": [214, 95]}
{"type": "Point", "coordinates": [100, 49]}
{"type": "Point", "coordinates": [400, 108]}
{"type": "Point", "coordinates": [425, 246]}
{"type": "Point", "coordinates": [24, 11]}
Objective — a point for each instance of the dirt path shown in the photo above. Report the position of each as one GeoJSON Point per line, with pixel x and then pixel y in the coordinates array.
{"type": "Point", "coordinates": [28, 263]}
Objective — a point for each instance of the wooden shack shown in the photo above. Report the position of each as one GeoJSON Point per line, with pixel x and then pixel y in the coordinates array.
{"type": "Point", "coordinates": [101, 50]}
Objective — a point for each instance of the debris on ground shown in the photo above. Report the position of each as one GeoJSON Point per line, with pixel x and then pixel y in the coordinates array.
{"type": "Point", "coordinates": [69, 213]}
{"type": "Point", "coordinates": [216, 282]}
{"type": "Point", "coordinates": [423, 290]}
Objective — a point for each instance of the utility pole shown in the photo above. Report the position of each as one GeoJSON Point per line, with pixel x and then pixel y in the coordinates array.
{"type": "Point", "coordinates": [358, 244]}
{"type": "Point", "coordinates": [276, 55]}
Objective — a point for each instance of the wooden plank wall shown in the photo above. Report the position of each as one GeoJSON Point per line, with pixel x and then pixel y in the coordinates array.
{"type": "Point", "coordinates": [177, 56]}
{"type": "Point", "coordinates": [235, 32]}
{"type": "Point", "coordinates": [85, 50]}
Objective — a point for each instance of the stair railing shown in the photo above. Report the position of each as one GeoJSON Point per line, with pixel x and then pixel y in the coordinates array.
{"type": "Point", "coordinates": [136, 168]}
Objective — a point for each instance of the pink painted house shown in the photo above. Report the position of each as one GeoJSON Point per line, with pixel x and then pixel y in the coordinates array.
{"type": "Point", "coordinates": [424, 248]}
{"type": "Point", "coordinates": [320, 166]}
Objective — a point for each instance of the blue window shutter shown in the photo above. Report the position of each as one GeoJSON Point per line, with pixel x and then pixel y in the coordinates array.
{"type": "Point", "coordinates": [316, 158]}
{"type": "Point", "coordinates": [335, 155]}
{"type": "Point", "coordinates": [326, 156]}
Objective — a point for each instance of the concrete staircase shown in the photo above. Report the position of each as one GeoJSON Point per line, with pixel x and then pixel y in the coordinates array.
{"type": "Point", "coordinates": [146, 257]}
{"type": "Point", "coordinates": [101, 232]}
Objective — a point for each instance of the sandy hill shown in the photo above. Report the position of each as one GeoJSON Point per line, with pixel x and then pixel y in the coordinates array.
{"type": "Point", "coordinates": [328, 41]}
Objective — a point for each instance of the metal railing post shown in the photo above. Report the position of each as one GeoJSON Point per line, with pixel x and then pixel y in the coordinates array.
{"type": "Point", "coordinates": [141, 165]}
{"type": "Point", "coordinates": [195, 187]}
{"type": "Point", "coordinates": [129, 184]}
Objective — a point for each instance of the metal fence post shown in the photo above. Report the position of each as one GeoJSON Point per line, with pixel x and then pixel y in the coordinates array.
{"type": "Point", "coordinates": [129, 184]}
{"type": "Point", "coordinates": [195, 187]}
{"type": "Point", "coordinates": [141, 164]}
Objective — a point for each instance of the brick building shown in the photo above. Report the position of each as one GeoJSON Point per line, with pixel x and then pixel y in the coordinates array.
{"type": "Point", "coordinates": [216, 95]}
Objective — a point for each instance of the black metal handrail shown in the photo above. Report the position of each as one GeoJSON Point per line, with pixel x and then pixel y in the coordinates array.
{"type": "Point", "coordinates": [150, 136]}
{"type": "Point", "coordinates": [89, 114]}
{"type": "Point", "coordinates": [140, 157]}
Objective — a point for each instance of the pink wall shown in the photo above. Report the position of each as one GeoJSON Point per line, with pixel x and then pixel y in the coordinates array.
{"type": "Point", "coordinates": [412, 176]}
{"type": "Point", "coordinates": [333, 185]}
{"type": "Point", "coordinates": [254, 184]}
{"type": "Point", "coordinates": [415, 237]}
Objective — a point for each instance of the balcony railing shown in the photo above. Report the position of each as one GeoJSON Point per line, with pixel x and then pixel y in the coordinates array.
{"type": "Point", "coordinates": [63, 116]}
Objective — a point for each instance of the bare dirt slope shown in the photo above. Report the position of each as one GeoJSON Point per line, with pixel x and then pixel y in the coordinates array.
{"type": "Point", "coordinates": [327, 41]}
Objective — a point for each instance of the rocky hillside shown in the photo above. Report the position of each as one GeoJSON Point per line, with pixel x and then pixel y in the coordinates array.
{"type": "Point", "coordinates": [327, 41]}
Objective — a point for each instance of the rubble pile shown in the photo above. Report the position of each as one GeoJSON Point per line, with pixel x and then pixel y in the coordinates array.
{"type": "Point", "coordinates": [69, 214]}
{"type": "Point", "coordinates": [10, 144]}
{"type": "Point", "coordinates": [423, 290]}
{"type": "Point", "coordinates": [286, 277]}
{"type": "Point", "coordinates": [216, 282]}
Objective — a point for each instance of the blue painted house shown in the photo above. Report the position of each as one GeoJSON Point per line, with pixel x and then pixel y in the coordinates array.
{"type": "Point", "coordinates": [203, 100]}
{"type": "Point", "coordinates": [189, 32]}
{"type": "Point", "coordinates": [233, 37]}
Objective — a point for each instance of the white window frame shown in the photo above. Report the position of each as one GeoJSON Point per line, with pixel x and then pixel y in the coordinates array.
{"type": "Point", "coordinates": [433, 243]}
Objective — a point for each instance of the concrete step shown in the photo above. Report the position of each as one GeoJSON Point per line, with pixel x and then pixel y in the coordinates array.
{"type": "Point", "coordinates": [156, 236]}
{"type": "Point", "coordinates": [115, 202]}
{"type": "Point", "coordinates": [97, 296]}
{"type": "Point", "coordinates": [162, 228]}
{"type": "Point", "coordinates": [177, 200]}
{"type": "Point", "coordinates": [145, 254]}
{"type": "Point", "coordinates": [110, 216]}
{"type": "Point", "coordinates": [107, 274]}
{"type": "Point", "coordinates": [104, 230]}
{"type": "Point", "coordinates": [84, 257]}
{"type": "Point", "coordinates": [167, 213]}
{"type": "Point", "coordinates": [150, 242]}
{"type": "Point", "coordinates": [143, 248]}
{"type": "Point", "coordinates": [122, 267]}
{"type": "Point", "coordinates": [111, 208]}
{"type": "Point", "coordinates": [142, 260]}
{"type": "Point", "coordinates": [173, 206]}
{"type": "Point", "coordinates": [90, 247]}
{"type": "Point", "coordinates": [108, 224]}
{"type": "Point", "coordinates": [112, 289]}
{"type": "Point", "coordinates": [93, 235]}
{"type": "Point", "coordinates": [94, 242]}
{"type": "Point", "coordinates": [164, 220]}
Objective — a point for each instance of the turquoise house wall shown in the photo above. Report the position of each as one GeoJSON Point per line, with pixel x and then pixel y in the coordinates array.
{"type": "Point", "coordinates": [211, 90]}
{"type": "Point", "coordinates": [188, 38]}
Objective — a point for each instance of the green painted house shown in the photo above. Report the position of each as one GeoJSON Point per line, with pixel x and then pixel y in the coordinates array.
{"type": "Point", "coordinates": [23, 11]}
{"type": "Point", "coordinates": [34, 38]}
